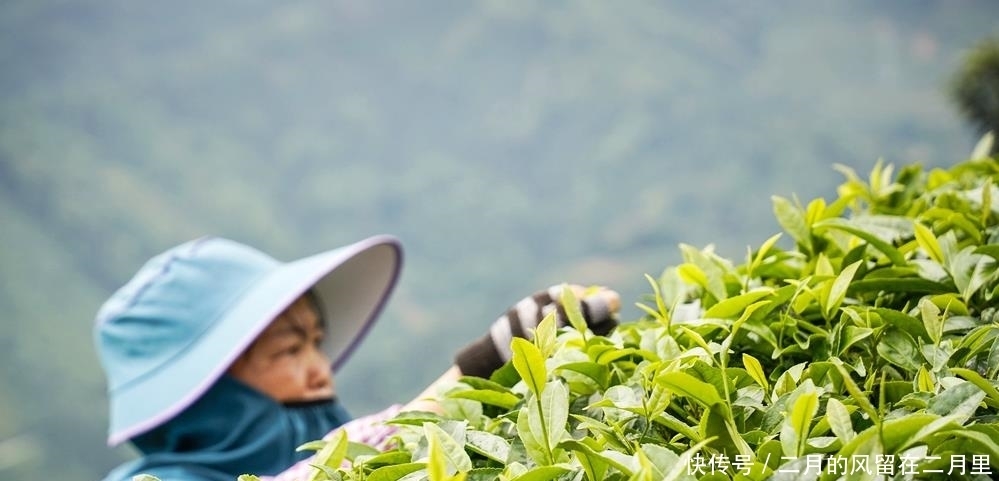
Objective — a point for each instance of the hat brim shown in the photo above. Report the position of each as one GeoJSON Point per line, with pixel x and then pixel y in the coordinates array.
{"type": "Point", "coordinates": [352, 284]}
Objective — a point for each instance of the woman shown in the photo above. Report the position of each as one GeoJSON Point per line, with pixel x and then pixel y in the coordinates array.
{"type": "Point", "coordinates": [220, 359]}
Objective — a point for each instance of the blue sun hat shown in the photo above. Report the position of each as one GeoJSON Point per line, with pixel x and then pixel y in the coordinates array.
{"type": "Point", "coordinates": [168, 334]}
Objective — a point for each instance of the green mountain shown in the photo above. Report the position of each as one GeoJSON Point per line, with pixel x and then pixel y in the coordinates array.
{"type": "Point", "coordinates": [511, 145]}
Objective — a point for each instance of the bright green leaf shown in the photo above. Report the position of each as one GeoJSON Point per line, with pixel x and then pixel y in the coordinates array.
{"type": "Point", "coordinates": [839, 420]}
{"type": "Point", "coordinates": [530, 364]}
{"type": "Point", "coordinates": [928, 242]}
{"type": "Point", "coordinates": [794, 432]}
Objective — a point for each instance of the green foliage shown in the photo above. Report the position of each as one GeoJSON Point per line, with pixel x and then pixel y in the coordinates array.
{"type": "Point", "coordinates": [870, 347]}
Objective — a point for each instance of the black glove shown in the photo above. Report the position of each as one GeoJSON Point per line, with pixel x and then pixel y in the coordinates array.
{"type": "Point", "coordinates": [489, 353]}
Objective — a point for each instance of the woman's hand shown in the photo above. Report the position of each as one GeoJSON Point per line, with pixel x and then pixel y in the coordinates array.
{"type": "Point", "coordinates": [599, 307]}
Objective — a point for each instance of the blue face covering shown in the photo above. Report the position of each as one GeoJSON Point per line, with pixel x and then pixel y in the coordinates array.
{"type": "Point", "coordinates": [233, 429]}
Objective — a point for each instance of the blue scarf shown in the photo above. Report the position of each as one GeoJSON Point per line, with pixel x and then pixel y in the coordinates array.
{"type": "Point", "coordinates": [232, 429]}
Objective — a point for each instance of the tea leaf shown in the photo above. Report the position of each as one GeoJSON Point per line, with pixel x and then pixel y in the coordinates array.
{"type": "Point", "coordinates": [982, 383]}
{"type": "Point", "coordinates": [839, 420]}
{"type": "Point", "coordinates": [489, 445]}
{"type": "Point", "coordinates": [598, 372]}
{"type": "Point", "coordinates": [734, 306]}
{"type": "Point", "coordinates": [504, 400]}
{"type": "Point", "coordinates": [446, 456]}
{"type": "Point", "coordinates": [858, 396]}
{"type": "Point", "coordinates": [684, 384]}
{"type": "Point", "coordinates": [794, 433]}
{"type": "Point", "coordinates": [394, 472]}
{"type": "Point", "coordinates": [331, 455]}
{"type": "Point", "coordinates": [542, 473]}
{"type": "Point", "coordinates": [929, 243]}
{"type": "Point", "coordinates": [792, 219]}
{"type": "Point", "coordinates": [898, 348]}
{"type": "Point", "coordinates": [530, 364]}
{"type": "Point", "coordinates": [762, 252]}
{"type": "Point", "coordinates": [959, 402]}
{"type": "Point", "coordinates": [931, 320]}
{"type": "Point", "coordinates": [545, 333]}
{"type": "Point", "coordinates": [594, 465]}
{"type": "Point", "coordinates": [572, 310]}
{"type": "Point", "coordinates": [839, 288]}
{"type": "Point", "coordinates": [555, 410]}
{"type": "Point", "coordinates": [755, 370]}
{"type": "Point", "coordinates": [537, 450]}
{"type": "Point", "coordinates": [885, 248]}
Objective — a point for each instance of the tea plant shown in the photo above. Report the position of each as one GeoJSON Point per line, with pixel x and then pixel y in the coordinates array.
{"type": "Point", "coordinates": [869, 349]}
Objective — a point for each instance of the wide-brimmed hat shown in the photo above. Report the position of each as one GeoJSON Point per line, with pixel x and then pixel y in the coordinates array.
{"type": "Point", "coordinates": [167, 335]}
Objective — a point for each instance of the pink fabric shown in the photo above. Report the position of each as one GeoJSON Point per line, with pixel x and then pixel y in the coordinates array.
{"type": "Point", "coordinates": [370, 430]}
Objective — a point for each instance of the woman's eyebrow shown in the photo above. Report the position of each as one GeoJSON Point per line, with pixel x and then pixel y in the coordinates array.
{"type": "Point", "coordinates": [286, 329]}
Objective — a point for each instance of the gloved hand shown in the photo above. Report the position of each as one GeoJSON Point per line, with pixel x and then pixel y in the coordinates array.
{"type": "Point", "coordinates": [489, 353]}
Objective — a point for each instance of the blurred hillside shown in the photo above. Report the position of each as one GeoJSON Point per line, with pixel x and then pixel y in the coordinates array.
{"type": "Point", "coordinates": [510, 144]}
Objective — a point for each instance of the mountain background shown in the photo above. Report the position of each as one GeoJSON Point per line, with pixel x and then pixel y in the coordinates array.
{"type": "Point", "coordinates": [511, 145]}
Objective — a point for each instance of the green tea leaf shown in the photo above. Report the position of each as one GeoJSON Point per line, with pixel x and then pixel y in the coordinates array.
{"type": "Point", "coordinates": [572, 310]}
{"type": "Point", "coordinates": [794, 432]}
{"type": "Point", "coordinates": [545, 333]}
{"type": "Point", "coordinates": [710, 266]}
{"type": "Point", "coordinates": [395, 472]}
{"type": "Point", "coordinates": [671, 422]}
{"type": "Point", "coordinates": [734, 306]}
{"type": "Point", "coordinates": [489, 445]}
{"type": "Point", "coordinates": [908, 324]}
{"type": "Point", "coordinates": [762, 252]}
{"type": "Point", "coordinates": [982, 383]}
{"type": "Point", "coordinates": [531, 439]}
{"type": "Point", "coordinates": [598, 372]}
{"type": "Point", "coordinates": [928, 242]}
{"type": "Point", "coordinates": [959, 402]}
{"type": "Point", "coordinates": [504, 400]}
{"type": "Point", "coordinates": [692, 274]}
{"type": "Point", "coordinates": [900, 349]}
{"type": "Point", "coordinates": [555, 407]}
{"type": "Point", "coordinates": [991, 250]}
{"type": "Point", "coordinates": [985, 439]}
{"type": "Point", "coordinates": [839, 420]}
{"type": "Point", "coordinates": [542, 473]}
{"type": "Point", "coordinates": [855, 392]}
{"type": "Point", "coordinates": [924, 380]}
{"type": "Point", "coordinates": [530, 364]}
{"type": "Point", "coordinates": [755, 370]}
{"type": "Point", "coordinates": [446, 456]}
{"type": "Point", "coordinates": [718, 425]}
{"type": "Point", "coordinates": [839, 288]}
{"type": "Point", "coordinates": [332, 454]}
{"type": "Point", "coordinates": [683, 384]}
{"type": "Point", "coordinates": [931, 320]}
{"type": "Point", "coordinates": [596, 458]}
{"type": "Point", "coordinates": [388, 458]}
{"type": "Point", "coordinates": [792, 219]}
{"type": "Point", "coordinates": [885, 248]}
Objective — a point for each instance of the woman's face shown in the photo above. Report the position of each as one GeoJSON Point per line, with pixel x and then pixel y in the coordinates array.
{"type": "Point", "coordinates": [285, 361]}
